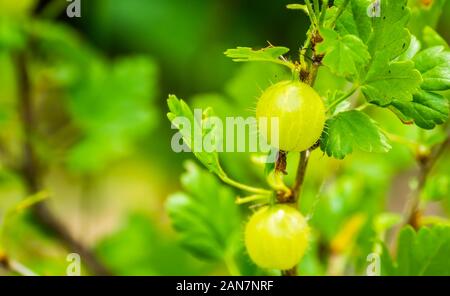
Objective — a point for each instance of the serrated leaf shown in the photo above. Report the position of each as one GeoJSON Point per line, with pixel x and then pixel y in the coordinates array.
{"type": "Point", "coordinates": [344, 55]}
{"type": "Point", "coordinates": [426, 110]}
{"type": "Point", "coordinates": [179, 109]}
{"type": "Point", "coordinates": [434, 64]}
{"type": "Point", "coordinates": [424, 252]}
{"type": "Point", "coordinates": [205, 215]}
{"type": "Point", "coordinates": [268, 54]}
{"type": "Point", "coordinates": [349, 130]}
{"type": "Point", "coordinates": [388, 81]}
{"type": "Point", "coordinates": [354, 19]}
{"type": "Point", "coordinates": [389, 36]}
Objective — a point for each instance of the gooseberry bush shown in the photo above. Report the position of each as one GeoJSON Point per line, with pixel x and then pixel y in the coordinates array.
{"type": "Point", "coordinates": [364, 98]}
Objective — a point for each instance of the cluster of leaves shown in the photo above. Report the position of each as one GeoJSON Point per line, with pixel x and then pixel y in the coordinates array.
{"type": "Point", "coordinates": [420, 253]}
{"type": "Point", "coordinates": [375, 61]}
{"type": "Point", "coordinates": [381, 57]}
{"type": "Point", "coordinates": [108, 103]}
{"type": "Point", "coordinates": [88, 111]}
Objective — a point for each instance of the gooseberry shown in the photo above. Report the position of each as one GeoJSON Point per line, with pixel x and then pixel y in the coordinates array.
{"type": "Point", "coordinates": [300, 112]}
{"type": "Point", "coordinates": [276, 237]}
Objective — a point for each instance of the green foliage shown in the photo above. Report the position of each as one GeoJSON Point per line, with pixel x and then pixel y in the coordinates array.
{"type": "Point", "coordinates": [205, 215]}
{"type": "Point", "coordinates": [352, 129]}
{"type": "Point", "coordinates": [345, 55]}
{"type": "Point", "coordinates": [426, 109]}
{"type": "Point", "coordinates": [389, 37]}
{"type": "Point", "coordinates": [434, 65]}
{"type": "Point", "coordinates": [268, 54]}
{"type": "Point", "coordinates": [178, 108]}
{"type": "Point", "coordinates": [432, 38]}
{"type": "Point", "coordinates": [386, 82]}
{"type": "Point", "coordinates": [148, 251]}
{"type": "Point", "coordinates": [421, 253]}
{"type": "Point", "coordinates": [354, 19]}
{"type": "Point", "coordinates": [112, 108]}
{"type": "Point", "coordinates": [95, 110]}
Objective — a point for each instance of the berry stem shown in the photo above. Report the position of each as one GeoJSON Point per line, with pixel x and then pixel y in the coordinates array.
{"type": "Point", "coordinates": [245, 187]}
{"type": "Point", "coordinates": [300, 177]}
{"type": "Point", "coordinates": [342, 98]}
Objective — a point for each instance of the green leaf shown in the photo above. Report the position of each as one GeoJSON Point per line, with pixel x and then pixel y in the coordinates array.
{"type": "Point", "coordinates": [390, 37]}
{"type": "Point", "coordinates": [354, 19]}
{"type": "Point", "coordinates": [413, 49]}
{"type": "Point", "coordinates": [432, 38]}
{"type": "Point", "coordinates": [434, 64]}
{"type": "Point", "coordinates": [386, 82]}
{"type": "Point", "coordinates": [426, 109]}
{"type": "Point", "coordinates": [344, 55]}
{"type": "Point", "coordinates": [425, 252]}
{"type": "Point", "coordinates": [268, 54]}
{"type": "Point", "coordinates": [349, 130]}
{"type": "Point", "coordinates": [205, 215]}
{"type": "Point", "coordinates": [180, 110]}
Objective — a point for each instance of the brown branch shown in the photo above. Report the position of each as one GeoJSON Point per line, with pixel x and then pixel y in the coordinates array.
{"type": "Point", "coordinates": [14, 266]}
{"type": "Point", "coordinates": [413, 213]}
{"type": "Point", "coordinates": [308, 77]}
{"type": "Point", "coordinates": [30, 171]}
{"type": "Point", "coordinates": [290, 272]}
{"type": "Point", "coordinates": [280, 164]}
{"type": "Point", "coordinates": [300, 177]}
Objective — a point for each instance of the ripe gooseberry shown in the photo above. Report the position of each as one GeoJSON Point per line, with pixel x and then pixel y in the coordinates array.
{"type": "Point", "coordinates": [276, 237]}
{"type": "Point", "coordinates": [300, 112]}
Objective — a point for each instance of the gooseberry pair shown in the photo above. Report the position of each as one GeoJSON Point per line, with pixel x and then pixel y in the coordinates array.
{"type": "Point", "coordinates": [276, 237]}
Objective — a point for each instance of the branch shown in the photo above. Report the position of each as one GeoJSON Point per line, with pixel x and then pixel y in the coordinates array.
{"type": "Point", "coordinates": [412, 213]}
{"type": "Point", "coordinates": [30, 172]}
{"type": "Point", "coordinates": [14, 266]}
{"type": "Point", "coordinates": [300, 177]}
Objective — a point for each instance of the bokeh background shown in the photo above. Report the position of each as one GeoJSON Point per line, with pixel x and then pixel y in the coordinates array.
{"type": "Point", "coordinates": [100, 138]}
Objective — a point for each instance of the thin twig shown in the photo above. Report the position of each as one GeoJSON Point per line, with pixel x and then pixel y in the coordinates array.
{"type": "Point", "coordinates": [412, 213]}
{"type": "Point", "coordinates": [15, 267]}
{"type": "Point", "coordinates": [290, 272]}
{"type": "Point", "coordinates": [30, 172]}
{"type": "Point", "coordinates": [300, 177]}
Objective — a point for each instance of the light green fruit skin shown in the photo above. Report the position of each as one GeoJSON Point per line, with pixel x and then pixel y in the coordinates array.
{"type": "Point", "coordinates": [276, 237]}
{"type": "Point", "coordinates": [300, 112]}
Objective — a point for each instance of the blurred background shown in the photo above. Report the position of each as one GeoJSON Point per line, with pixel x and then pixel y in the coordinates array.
{"type": "Point", "coordinates": [83, 125]}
